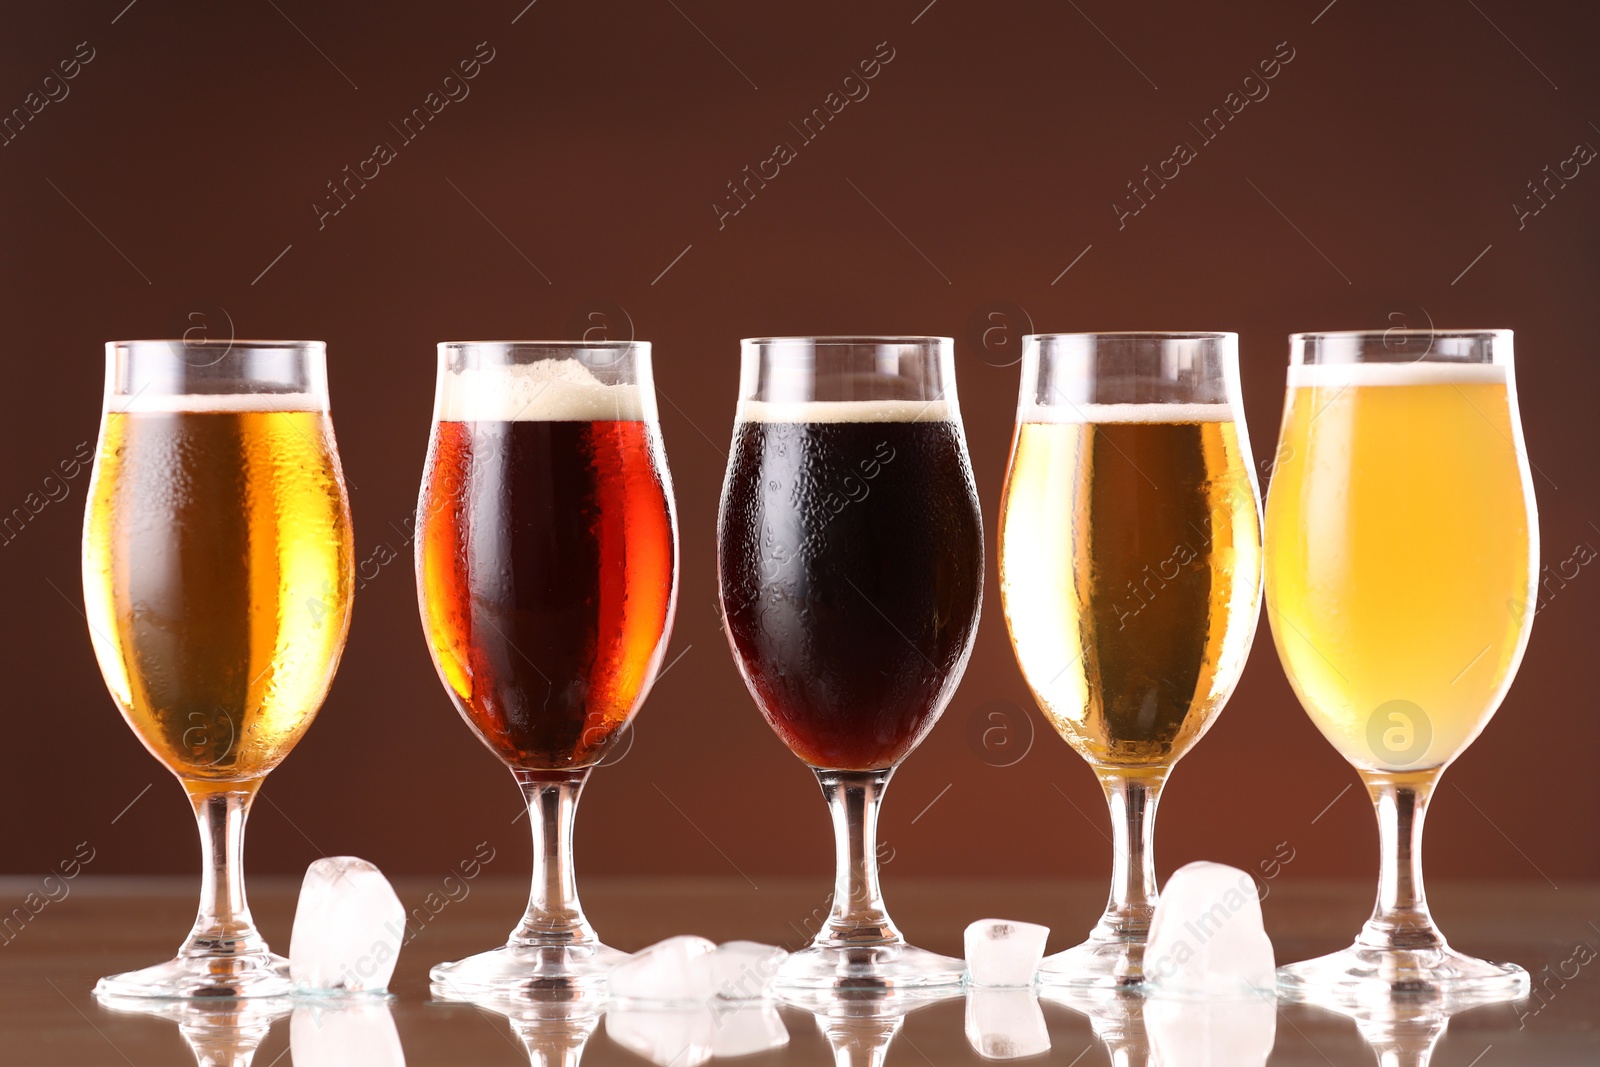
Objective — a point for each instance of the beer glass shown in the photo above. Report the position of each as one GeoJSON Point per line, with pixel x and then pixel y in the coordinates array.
{"type": "Point", "coordinates": [1402, 552]}
{"type": "Point", "coordinates": [850, 565]}
{"type": "Point", "coordinates": [1130, 574]}
{"type": "Point", "coordinates": [217, 580]}
{"type": "Point", "coordinates": [547, 562]}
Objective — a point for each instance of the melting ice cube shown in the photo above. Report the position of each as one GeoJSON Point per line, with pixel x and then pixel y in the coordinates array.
{"type": "Point", "coordinates": [348, 928]}
{"type": "Point", "coordinates": [673, 971]}
{"type": "Point", "coordinates": [1206, 936]}
{"type": "Point", "coordinates": [1004, 953]}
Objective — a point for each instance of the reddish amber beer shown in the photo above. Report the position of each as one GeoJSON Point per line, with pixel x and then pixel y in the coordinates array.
{"type": "Point", "coordinates": [546, 575]}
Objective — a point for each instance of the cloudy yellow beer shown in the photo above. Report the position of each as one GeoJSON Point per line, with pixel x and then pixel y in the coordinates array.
{"type": "Point", "coordinates": [1399, 566]}
{"type": "Point", "coordinates": [218, 578]}
{"type": "Point", "coordinates": [1130, 573]}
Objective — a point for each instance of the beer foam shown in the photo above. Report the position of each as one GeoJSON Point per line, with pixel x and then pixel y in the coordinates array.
{"type": "Point", "coordinates": [1340, 375]}
{"type": "Point", "coordinates": [214, 403]}
{"type": "Point", "coordinates": [847, 411]}
{"type": "Point", "coordinates": [548, 390]}
{"type": "Point", "coordinates": [1126, 413]}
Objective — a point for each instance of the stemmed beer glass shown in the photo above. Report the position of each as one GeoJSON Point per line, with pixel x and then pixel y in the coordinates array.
{"type": "Point", "coordinates": [217, 578]}
{"type": "Point", "coordinates": [547, 562]}
{"type": "Point", "coordinates": [1130, 573]}
{"type": "Point", "coordinates": [1402, 552]}
{"type": "Point", "coordinates": [850, 559]}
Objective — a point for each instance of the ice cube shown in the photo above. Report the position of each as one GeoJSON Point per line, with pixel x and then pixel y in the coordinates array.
{"type": "Point", "coordinates": [682, 1037]}
{"type": "Point", "coordinates": [345, 1033]}
{"type": "Point", "coordinates": [747, 1028]}
{"type": "Point", "coordinates": [1206, 935]}
{"type": "Point", "coordinates": [1004, 953]}
{"type": "Point", "coordinates": [673, 971]}
{"type": "Point", "coordinates": [1006, 1024]}
{"type": "Point", "coordinates": [742, 970]}
{"type": "Point", "coordinates": [1233, 1032]}
{"type": "Point", "coordinates": [348, 928]}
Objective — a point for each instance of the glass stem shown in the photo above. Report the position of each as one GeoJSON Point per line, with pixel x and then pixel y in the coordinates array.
{"type": "Point", "coordinates": [554, 916]}
{"type": "Point", "coordinates": [858, 1042]}
{"type": "Point", "coordinates": [857, 916]}
{"type": "Point", "coordinates": [555, 1042]}
{"type": "Point", "coordinates": [232, 1045]}
{"type": "Point", "coordinates": [1133, 856]}
{"type": "Point", "coordinates": [223, 926]}
{"type": "Point", "coordinates": [1132, 1054]}
{"type": "Point", "coordinates": [1400, 920]}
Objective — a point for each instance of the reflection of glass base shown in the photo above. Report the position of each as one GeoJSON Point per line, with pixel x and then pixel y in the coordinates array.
{"type": "Point", "coordinates": [1360, 973]}
{"type": "Point", "coordinates": [519, 970]}
{"type": "Point", "coordinates": [217, 1030]}
{"type": "Point", "coordinates": [1098, 963]}
{"type": "Point", "coordinates": [868, 968]}
{"type": "Point", "coordinates": [255, 974]}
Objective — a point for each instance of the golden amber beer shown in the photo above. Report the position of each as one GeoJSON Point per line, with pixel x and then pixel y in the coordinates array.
{"type": "Point", "coordinates": [1130, 572]}
{"type": "Point", "coordinates": [1400, 569]}
{"type": "Point", "coordinates": [218, 576]}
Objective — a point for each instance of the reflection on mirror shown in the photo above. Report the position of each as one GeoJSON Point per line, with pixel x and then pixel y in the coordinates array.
{"type": "Point", "coordinates": [859, 1026]}
{"type": "Point", "coordinates": [1403, 1030]}
{"type": "Point", "coordinates": [1006, 1024]}
{"type": "Point", "coordinates": [553, 1029]}
{"type": "Point", "coordinates": [687, 1036]}
{"type": "Point", "coordinates": [1238, 1031]}
{"type": "Point", "coordinates": [1117, 1017]}
{"type": "Point", "coordinates": [220, 1033]}
{"type": "Point", "coordinates": [1177, 1031]}
{"type": "Point", "coordinates": [354, 1031]}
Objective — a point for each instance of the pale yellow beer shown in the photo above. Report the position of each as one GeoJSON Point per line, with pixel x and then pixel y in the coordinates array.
{"type": "Point", "coordinates": [1399, 567]}
{"type": "Point", "coordinates": [1130, 573]}
{"type": "Point", "coordinates": [218, 578]}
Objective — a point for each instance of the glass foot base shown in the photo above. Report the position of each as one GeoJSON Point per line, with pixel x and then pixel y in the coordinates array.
{"type": "Point", "coordinates": [1361, 973]}
{"type": "Point", "coordinates": [256, 974]}
{"type": "Point", "coordinates": [518, 970]}
{"type": "Point", "coordinates": [1098, 963]}
{"type": "Point", "coordinates": [868, 968]}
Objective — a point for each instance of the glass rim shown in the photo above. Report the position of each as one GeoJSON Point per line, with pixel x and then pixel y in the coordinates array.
{"type": "Point", "coordinates": [239, 342]}
{"type": "Point", "coordinates": [1136, 335]}
{"type": "Point", "coordinates": [842, 340]}
{"type": "Point", "coordinates": [143, 375]}
{"type": "Point", "coordinates": [1382, 335]}
{"type": "Point", "coordinates": [577, 346]}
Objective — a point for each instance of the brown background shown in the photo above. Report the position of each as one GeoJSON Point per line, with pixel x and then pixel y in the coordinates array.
{"type": "Point", "coordinates": [191, 149]}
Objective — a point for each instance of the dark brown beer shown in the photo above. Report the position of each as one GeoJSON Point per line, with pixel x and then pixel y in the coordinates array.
{"type": "Point", "coordinates": [546, 568]}
{"type": "Point", "coordinates": [851, 565]}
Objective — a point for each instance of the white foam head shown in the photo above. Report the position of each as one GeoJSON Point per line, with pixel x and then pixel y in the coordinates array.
{"type": "Point", "coordinates": [145, 402]}
{"type": "Point", "coordinates": [847, 411]}
{"type": "Point", "coordinates": [1125, 413]}
{"type": "Point", "coordinates": [546, 390]}
{"type": "Point", "coordinates": [1343, 375]}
